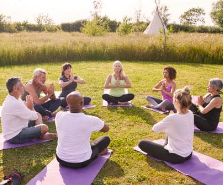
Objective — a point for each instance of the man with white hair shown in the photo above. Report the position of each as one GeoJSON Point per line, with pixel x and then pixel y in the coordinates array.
{"type": "Point", "coordinates": [20, 122]}
{"type": "Point", "coordinates": [41, 104]}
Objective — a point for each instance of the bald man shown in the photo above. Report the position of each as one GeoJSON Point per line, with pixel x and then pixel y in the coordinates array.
{"type": "Point", "coordinates": [74, 130]}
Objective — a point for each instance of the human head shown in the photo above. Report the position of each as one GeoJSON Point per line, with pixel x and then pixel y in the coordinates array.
{"type": "Point", "coordinates": [12, 82]}
{"type": "Point", "coordinates": [118, 63]}
{"type": "Point", "coordinates": [39, 75]}
{"type": "Point", "coordinates": [216, 83]}
{"type": "Point", "coordinates": [75, 102]}
{"type": "Point", "coordinates": [65, 66]}
{"type": "Point", "coordinates": [183, 97]}
{"type": "Point", "coordinates": [172, 72]}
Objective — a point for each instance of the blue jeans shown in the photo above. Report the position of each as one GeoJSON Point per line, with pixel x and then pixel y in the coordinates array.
{"type": "Point", "coordinates": [27, 134]}
{"type": "Point", "coordinates": [48, 107]}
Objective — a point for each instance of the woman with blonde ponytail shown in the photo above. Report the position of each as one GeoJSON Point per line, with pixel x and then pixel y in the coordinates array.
{"type": "Point", "coordinates": [179, 128]}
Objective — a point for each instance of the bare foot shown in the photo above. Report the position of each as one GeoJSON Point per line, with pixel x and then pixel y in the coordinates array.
{"type": "Point", "coordinates": [123, 103]}
{"type": "Point", "coordinates": [49, 136]}
{"type": "Point", "coordinates": [149, 106]}
{"type": "Point", "coordinates": [104, 151]}
{"type": "Point", "coordinates": [45, 118]}
{"type": "Point", "coordinates": [111, 103]}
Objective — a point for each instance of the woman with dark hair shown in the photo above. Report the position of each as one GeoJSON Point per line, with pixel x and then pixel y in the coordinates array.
{"type": "Point", "coordinates": [208, 108]}
{"type": "Point", "coordinates": [68, 82]}
{"type": "Point", "coordinates": [167, 86]}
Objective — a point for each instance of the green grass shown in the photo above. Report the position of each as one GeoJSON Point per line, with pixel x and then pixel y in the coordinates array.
{"type": "Point", "coordinates": [34, 47]}
{"type": "Point", "coordinates": [128, 125]}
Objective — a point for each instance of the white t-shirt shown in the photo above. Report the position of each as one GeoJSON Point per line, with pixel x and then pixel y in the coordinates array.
{"type": "Point", "coordinates": [15, 116]}
{"type": "Point", "coordinates": [180, 131]}
{"type": "Point", "coordinates": [74, 132]}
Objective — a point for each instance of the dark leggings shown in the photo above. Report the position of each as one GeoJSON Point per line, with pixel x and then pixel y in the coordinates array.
{"type": "Point", "coordinates": [159, 152]}
{"type": "Point", "coordinates": [64, 104]}
{"type": "Point", "coordinates": [201, 122]}
{"type": "Point", "coordinates": [97, 147]}
{"type": "Point", "coordinates": [115, 100]}
{"type": "Point", "coordinates": [160, 104]}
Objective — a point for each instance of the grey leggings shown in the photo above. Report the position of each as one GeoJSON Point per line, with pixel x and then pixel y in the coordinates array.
{"type": "Point", "coordinates": [160, 104]}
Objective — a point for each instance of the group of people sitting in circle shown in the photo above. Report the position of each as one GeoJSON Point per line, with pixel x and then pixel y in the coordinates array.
{"type": "Point", "coordinates": [22, 118]}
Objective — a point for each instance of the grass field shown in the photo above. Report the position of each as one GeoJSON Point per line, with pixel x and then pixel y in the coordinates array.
{"type": "Point", "coordinates": [128, 125]}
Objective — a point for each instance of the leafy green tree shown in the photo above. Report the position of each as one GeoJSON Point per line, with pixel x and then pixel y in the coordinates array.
{"type": "Point", "coordinates": [45, 23]}
{"type": "Point", "coordinates": [217, 13]}
{"type": "Point", "coordinates": [125, 27]}
{"type": "Point", "coordinates": [92, 29]}
{"type": "Point", "coordinates": [192, 16]}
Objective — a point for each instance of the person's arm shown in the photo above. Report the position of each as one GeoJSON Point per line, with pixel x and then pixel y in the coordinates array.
{"type": "Point", "coordinates": [30, 89]}
{"type": "Point", "coordinates": [214, 103]}
{"type": "Point", "coordinates": [63, 84]}
{"type": "Point", "coordinates": [127, 83]}
{"type": "Point", "coordinates": [105, 128]}
{"type": "Point", "coordinates": [107, 83]}
{"type": "Point", "coordinates": [157, 86]}
{"type": "Point", "coordinates": [79, 80]}
{"type": "Point", "coordinates": [173, 89]}
{"type": "Point", "coordinates": [163, 125]}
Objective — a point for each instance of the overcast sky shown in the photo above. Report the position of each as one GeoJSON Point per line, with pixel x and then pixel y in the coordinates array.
{"type": "Point", "coordinates": [71, 10]}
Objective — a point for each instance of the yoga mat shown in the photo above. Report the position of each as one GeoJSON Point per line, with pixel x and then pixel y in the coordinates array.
{"type": "Point", "coordinates": [6, 145]}
{"type": "Point", "coordinates": [105, 103]}
{"type": "Point", "coordinates": [85, 107]}
{"type": "Point", "coordinates": [219, 129]}
{"type": "Point", "coordinates": [56, 174]}
{"type": "Point", "coordinates": [66, 109]}
{"type": "Point", "coordinates": [155, 110]}
{"type": "Point", "coordinates": [200, 167]}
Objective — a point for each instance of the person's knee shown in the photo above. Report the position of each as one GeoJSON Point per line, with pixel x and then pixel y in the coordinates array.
{"type": "Point", "coordinates": [37, 107]}
{"type": "Point", "coordinates": [44, 129]}
{"type": "Point", "coordinates": [141, 143]}
{"type": "Point", "coordinates": [132, 96]}
{"type": "Point", "coordinates": [107, 140]}
{"type": "Point", "coordinates": [104, 96]}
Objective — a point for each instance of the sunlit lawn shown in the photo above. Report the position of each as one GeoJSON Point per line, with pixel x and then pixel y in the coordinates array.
{"type": "Point", "coordinates": [127, 125]}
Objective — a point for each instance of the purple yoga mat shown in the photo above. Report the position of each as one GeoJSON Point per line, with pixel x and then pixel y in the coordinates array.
{"type": "Point", "coordinates": [6, 145]}
{"type": "Point", "coordinates": [155, 110]}
{"type": "Point", "coordinates": [56, 174]}
{"type": "Point", "coordinates": [66, 109]}
{"type": "Point", "coordinates": [200, 167]}
{"type": "Point", "coordinates": [219, 129]}
{"type": "Point", "coordinates": [105, 104]}
{"type": "Point", "coordinates": [194, 99]}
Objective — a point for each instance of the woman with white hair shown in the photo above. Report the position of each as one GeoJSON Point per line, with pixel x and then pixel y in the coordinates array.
{"type": "Point", "coordinates": [208, 108]}
{"type": "Point", "coordinates": [117, 83]}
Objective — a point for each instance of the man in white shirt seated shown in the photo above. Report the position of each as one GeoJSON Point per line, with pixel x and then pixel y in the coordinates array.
{"type": "Point", "coordinates": [20, 122]}
{"type": "Point", "coordinates": [74, 130]}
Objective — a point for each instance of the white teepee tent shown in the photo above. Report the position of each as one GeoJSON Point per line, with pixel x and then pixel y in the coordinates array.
{"type": "Point", "coordinates": [156, 24]}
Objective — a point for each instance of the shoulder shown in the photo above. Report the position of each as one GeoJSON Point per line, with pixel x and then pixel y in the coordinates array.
{"type": "Point", "coordinates": [62, 78]}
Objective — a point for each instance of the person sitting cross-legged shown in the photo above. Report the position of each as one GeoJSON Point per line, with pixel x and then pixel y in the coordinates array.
{"type": "Point", "coordinates": [20, 122]}
{"type": "Point", "coordinates": [74, 130]}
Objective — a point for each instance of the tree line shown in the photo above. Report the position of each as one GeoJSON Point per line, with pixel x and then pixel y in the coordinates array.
{"type": "Point", "coordinates": [100, 25]}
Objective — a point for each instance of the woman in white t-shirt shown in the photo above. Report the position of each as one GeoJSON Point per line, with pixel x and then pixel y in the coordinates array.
{"type": "Point", "coordinates": [179, 128]}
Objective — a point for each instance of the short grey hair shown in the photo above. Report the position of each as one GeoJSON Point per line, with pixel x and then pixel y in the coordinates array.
{"type": "Point", "coordinates": [38, 72]}
{"type": "Point", "coordinates": [12, 82]}
{"type": "Point", "coordinates": [216, 83]}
